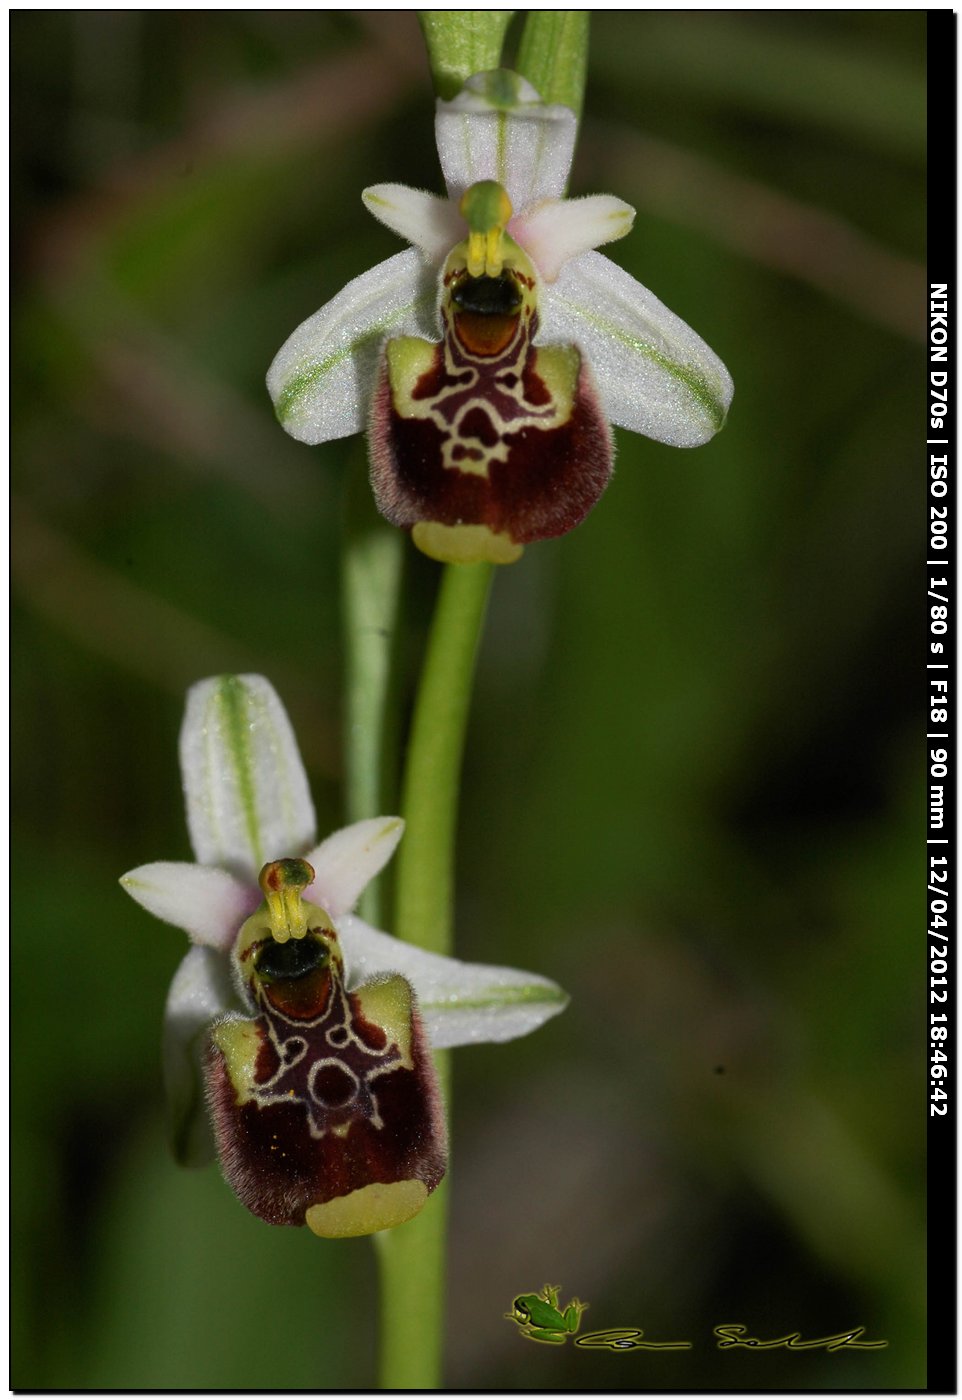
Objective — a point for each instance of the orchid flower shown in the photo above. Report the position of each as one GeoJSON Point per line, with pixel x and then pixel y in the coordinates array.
{"type": "Point", "coordinates": [488, 359]}
{"type": "Point", "coordinates": [310, 1029]}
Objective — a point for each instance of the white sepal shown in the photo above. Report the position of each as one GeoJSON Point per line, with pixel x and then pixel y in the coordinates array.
{"type": "Point", "coordinates": [559, 229]}
{"type": "Point", "coordinates": [246, 790]}
{"type": "Point", "coordinates": [654, 374]}
{"type": "Point", "coordinates": [208, 904]}
{"type": "Point", "coordinates": [425, 220]}
{"type": "Point", "coordinates": [347, 861]}
{"type": "Point", "coordinates": [461, 1003]}
{"type": "Point", "coordinates": [497, 129]}
{"type": "Point", "coordinates": [322, 376]}
{"type": "Point", "coordinates": [200, 992]}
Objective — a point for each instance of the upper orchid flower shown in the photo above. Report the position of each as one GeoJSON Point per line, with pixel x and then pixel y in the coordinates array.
{"type": "Point", "coordinates": [498, 435]}
{"type": "Point", "coordinates": [311, 1029]}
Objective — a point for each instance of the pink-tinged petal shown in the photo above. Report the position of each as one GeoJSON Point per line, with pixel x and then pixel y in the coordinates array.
{"type": "Point", "coordinates": [349, 860]}
{"type": "Point", "coordinates": [497, 128]}
{"type": "Point", "coordinates": [426, 220]}
{"type": "Point", "coordinates": [247, 796]}
{"type": "Point", "coordinates": [461, 1003]}
{"type": "Point", "coordinates": [322, 376]}
{"type": "Point", "coordinates": [208, 904]}
{"type": "Point", "coordinates": [655, 375]}
{"type": "Point", "coordinates": [200, 993]}
{"type": "Point", "coordinates": [559, 229]}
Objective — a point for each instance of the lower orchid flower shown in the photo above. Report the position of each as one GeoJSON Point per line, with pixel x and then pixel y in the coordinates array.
{"type": "Point", "coordinates": [309, 1030]}
{"type": "Point", "coordinates": [488, 360]}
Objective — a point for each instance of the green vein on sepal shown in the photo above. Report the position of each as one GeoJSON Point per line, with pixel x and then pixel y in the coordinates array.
{"type": "Point", "coordinates": [232, 697]}
{"type": "Point", "coordinates": [510, 996]}
{"type": "Point", "coordinates": [699, 387]}
{"type": "Point", "coordinates": [288, 397]}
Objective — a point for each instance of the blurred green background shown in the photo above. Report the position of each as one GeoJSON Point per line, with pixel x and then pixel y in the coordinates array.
{"type": "Point", "coordinates": [693, 788]}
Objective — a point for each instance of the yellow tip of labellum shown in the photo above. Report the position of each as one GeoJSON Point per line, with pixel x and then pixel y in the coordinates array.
{"type": "Point", "coordinates": [282, 882]}
{"type": "Point", "coordinates": [465, 544]}
{"type": "Point", "coordinates": [379, 1206]}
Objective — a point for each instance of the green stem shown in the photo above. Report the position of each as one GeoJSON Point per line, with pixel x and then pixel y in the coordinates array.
{"type": "Point", "coordinates": [412, 1256]}
{"type": "Point", "coordinates": [411, 1265]}
{"type": "Point", "coordinates": [425, 877]}
{"type": "Point", "coordinates": [372, 579]}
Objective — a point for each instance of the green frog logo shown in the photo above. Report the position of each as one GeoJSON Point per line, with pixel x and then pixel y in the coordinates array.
{"type": "Point", "coordinates": [540, 1318]}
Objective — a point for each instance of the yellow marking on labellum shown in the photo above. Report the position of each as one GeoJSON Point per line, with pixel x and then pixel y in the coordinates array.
{"type": "Point", "coordinates": [379, 1206]}
{"type": "Point", "coordinates": [239, 1042]}
{"type": "Point", "coordinates": [486, 209]}
{"type": "Point", "coordinates": [387, 1003]}
{"type": "Point", "coordinates": [464, 544]}
{"type": "Point", "coordinates": [408, 358]}
{"type": "Point", "coordinates": [282, 882]}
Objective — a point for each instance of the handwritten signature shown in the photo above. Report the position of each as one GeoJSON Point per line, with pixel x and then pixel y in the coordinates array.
{"type": "Point", "coordinates": [730, 1335]}
{"type": "Point", "coordinates": [733, 1335]}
